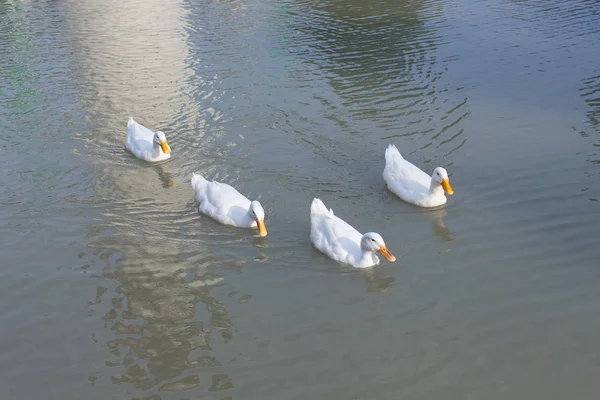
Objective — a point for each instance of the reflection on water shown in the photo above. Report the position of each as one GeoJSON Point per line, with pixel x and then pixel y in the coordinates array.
{"type": "Point", "coordinates": [380, 58]}
{"type": "Point", "coordinates": [135, 61]}
{"type": "Point", "coordinates": [166, 178]}
{"type": "Point", "coordinates": [590, 92]}
{"type": "Point", "coordinates": [159, 340]}
{"type": "Point", "coordinates": [376, 281]}
{"type": "Point", "coordinates": [439, 228]}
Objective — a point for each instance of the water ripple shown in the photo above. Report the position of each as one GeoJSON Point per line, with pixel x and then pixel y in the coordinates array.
{"type": "Point", "coordinates": [380, 60]}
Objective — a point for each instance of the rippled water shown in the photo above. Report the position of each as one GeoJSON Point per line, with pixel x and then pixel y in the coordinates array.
{"type": "Point", "coordinates": [113, 286]}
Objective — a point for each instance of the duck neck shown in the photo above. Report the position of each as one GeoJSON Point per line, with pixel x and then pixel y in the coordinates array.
{"type": "Point", "coordinates": [435, 188]}
{"type": "Point", "coordinates": [368, 258]}
{"type": "Point", "coordinates": [156, 150]}
{"type": "Point", "coordinates": [251, 221]}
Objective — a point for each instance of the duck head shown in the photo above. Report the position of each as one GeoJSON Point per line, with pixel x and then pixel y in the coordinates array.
{"type": "Point", "coordinates": [440, 176]}
{"type": "Point", "coordinates": [373, 242]}
{"type": "Point", "coordinates": [257, 213]}
{"type": "Point", "coordinates": [160, 140]}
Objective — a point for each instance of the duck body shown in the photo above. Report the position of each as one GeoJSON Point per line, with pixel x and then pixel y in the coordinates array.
{"type": "Point", "coordinates": [341, 241]}
{"type": "Point", "coordinates": [226, 205]}
{"type": "Point", "coordinates": [145, 144]}
{"type": "Point", "coordinates": [413, 185]}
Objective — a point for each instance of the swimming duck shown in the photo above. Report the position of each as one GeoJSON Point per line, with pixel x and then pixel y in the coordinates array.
{"type": "Point", "coordinates": [413, 185]}
{"type": "Point", "coordinates": [146, 144]}
{"type": "Point", "coordinates": [228, 206]}
{"type": "Point", "coordinates": [341, 242]}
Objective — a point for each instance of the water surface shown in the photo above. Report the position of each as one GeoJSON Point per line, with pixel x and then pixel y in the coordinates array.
{"type": "Point", "coordinates": [113, 286]}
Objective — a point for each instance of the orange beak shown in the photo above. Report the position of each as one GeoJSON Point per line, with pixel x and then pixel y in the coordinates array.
{"type": "Point", "coordinates": [262, 230]}
{"type": "Point", "coordinates": [447, 187]}
{"type": "Point", "coordinates": [164, 147]}
{"type": "Point", "coordinates": [386, 253]}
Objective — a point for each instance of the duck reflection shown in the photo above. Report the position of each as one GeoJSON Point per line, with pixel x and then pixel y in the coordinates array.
{"type": "Point", "coordinates": [438, 227]}
{"type": "Point", "coordinates": [376, 281]}
{"type": "Point", "coordinates": [261, 242]}
{"type": "Point", "coordinates": [165, 177]}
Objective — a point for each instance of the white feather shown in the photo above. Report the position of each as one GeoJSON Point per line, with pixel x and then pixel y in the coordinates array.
{"type": "Point", "coordinates": [225, 204]}
{"type": "Point", "coordinates": [140, 142]}
{"type": "Point", "coordinates": [410, 183]}
{"type": "Point", "coordinates": [339, 240]}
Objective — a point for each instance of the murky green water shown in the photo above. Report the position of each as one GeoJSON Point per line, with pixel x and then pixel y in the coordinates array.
{"type": "Point", "coordinates": [113, 286]}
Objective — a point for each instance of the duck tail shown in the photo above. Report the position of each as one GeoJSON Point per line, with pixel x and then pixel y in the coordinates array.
{"type": "Point", "coordinates": [130, 122]}
{"type": "Point", "coordinates": [198, 184]}
{"type": "Point", "coordinates": [317, 207]}
{"type": "Point", "coordinates": [391, 153]}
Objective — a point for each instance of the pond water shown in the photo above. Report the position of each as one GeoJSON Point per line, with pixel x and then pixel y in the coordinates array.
{"type": "Point", "coordinates": [114, 286]}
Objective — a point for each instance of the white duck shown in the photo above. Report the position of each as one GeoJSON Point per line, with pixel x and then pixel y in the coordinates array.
{"type": "Point", "coordinates": [341, 242]}
{"type": "Point", "coordinates": [413, 185]}
{"type": "Point", "coordinates": [228, 206]}
{"type": "Point", "coordinates": [146, 144]}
